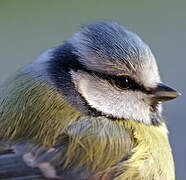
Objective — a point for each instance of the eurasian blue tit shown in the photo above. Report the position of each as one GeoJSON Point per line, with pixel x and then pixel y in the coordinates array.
{"type": "Point", "coordinates": [91, 108]}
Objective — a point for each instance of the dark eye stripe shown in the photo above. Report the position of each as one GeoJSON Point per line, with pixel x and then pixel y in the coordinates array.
{"type": "Point", "coordinates": [125, 82]}
{"type": "Point", "coordinates": [121, 82]}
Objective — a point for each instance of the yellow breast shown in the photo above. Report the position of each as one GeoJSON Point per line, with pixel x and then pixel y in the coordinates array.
{"type": "Point", "coordinates": [151, 159]}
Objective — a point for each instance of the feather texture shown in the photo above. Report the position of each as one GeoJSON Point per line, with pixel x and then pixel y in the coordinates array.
{"type": "Point", "coordinates": [83, 147]}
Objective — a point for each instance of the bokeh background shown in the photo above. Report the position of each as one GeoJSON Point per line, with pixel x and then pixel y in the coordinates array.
{"type": "Point", "coordinates": [27, 28]}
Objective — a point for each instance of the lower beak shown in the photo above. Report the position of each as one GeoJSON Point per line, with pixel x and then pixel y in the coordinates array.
{"type": "Point", "coordinates": [164, 93]}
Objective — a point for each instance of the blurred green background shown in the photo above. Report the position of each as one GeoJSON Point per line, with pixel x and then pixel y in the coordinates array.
{"type": "Point", "coordinates": [28, 28]}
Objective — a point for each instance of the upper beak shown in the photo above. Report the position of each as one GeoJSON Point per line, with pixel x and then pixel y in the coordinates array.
{"type": "Point", "coordinates": [164, 93]}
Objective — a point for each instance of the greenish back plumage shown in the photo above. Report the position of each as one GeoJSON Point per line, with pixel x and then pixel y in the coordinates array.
{"type": "Point", "coordinates": [34, 111]}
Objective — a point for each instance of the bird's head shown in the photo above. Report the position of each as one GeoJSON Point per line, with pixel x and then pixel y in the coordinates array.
{"type": "Point", "coordinates": [107, 70]}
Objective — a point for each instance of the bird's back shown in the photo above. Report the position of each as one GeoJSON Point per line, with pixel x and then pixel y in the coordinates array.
{"type": "Point", "coordinates": [91, 109]}
{"type": "Point", "coordinates": [97, 147]}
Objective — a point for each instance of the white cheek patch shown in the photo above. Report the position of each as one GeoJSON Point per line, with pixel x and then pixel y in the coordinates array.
{"type": "Point", "coordinates": [105, 98]}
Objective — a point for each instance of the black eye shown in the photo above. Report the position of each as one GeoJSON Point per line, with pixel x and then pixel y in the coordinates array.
{"type": "Point", "coordinates": [125, 82]}
{"type": "Point", "coordinates": [122, 82]}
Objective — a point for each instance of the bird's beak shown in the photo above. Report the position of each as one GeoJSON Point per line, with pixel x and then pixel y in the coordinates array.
{"type": "Point", "coordinates": [164, 93]}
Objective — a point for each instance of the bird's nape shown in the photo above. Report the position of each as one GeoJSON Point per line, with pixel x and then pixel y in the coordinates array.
{"type": "Point", "coordinates": [90, 109]}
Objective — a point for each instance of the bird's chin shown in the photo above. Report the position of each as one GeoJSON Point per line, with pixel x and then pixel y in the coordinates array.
{"type": "Point", "coordinates": [154, 118]}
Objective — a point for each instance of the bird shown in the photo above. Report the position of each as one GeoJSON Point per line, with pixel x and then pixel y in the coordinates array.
{"type": "Point", "coordinates": [91, 108]}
